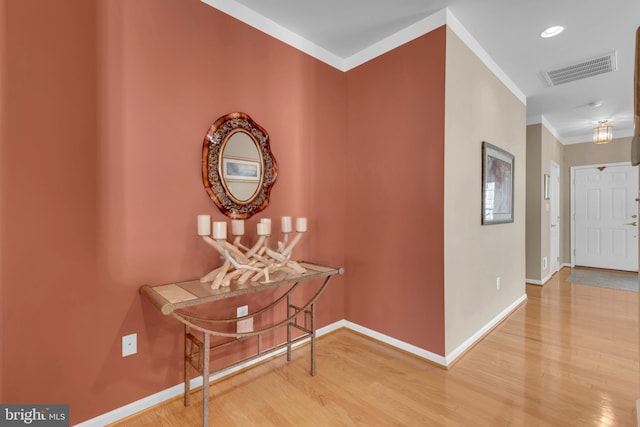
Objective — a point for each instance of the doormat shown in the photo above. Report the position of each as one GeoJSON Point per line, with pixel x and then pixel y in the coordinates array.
{"type": "Point", "coordinates": [604, 279]}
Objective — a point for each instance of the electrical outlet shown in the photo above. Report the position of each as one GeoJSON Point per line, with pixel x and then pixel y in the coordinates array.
{"type": "Point", "coordinates": [544, 262]}
{"type": "Point", "coordinates": [242, 311]}
{"type": "Point", "coordinates": [498, 283]}
{"type": "Point", "coordinates": [129, 345]}
{"type": "Point", "coordinates": [245, 325]}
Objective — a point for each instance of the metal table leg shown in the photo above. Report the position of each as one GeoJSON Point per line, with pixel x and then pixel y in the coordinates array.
{"type": "Point", "coordinates": [313, 339]}
{"type": "Point", "coordinates": [187, 382]}
{"type": "Point", "coordinates": [289, 328]}
{"type": "Point", "coordinates": [205, 382]}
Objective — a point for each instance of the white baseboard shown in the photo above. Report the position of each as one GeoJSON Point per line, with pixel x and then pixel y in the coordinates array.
{"type": "Point", "coordinates": [177, 390]}
{"type": "Point", "coordinates": [410, 348]}
{"type": "Point", "coordinates": [539, 282]}
{"type": "Point", "coordinates": [432, 357]}
{"type": "Point", "coordinates": [546, 279]}
{"type": "Point", "coordinates": [482, 331]}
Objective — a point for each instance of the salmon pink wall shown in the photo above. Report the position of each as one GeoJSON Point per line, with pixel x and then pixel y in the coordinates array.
{"type": "Point", "coordinates": [108, 102]}
{"type": "Point", "coordinates": [104, 107]}
{"type": "Point", "coordinates": [395, 184]}
{"type": "Point", "coordinates": [55, 307]}
{"type": "Point", "coordinates": [2, 184]}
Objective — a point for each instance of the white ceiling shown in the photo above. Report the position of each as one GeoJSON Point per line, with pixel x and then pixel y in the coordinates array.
{"type": "Point", "coordinates": [339, 32]}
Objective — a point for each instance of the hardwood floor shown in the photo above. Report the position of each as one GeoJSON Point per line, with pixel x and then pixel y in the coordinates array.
{"type": "Point", "coordinates": [568, 357]}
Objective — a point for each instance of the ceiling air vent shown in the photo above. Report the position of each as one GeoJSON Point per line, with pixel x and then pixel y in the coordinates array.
{"type": "Point", "coordinates": [591, 67]}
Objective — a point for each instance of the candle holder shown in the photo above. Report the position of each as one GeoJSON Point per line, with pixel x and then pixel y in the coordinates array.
{"type": "Point", "coordinates": [250, 264]}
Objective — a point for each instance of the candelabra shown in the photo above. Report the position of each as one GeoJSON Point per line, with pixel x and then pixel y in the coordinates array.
{"type": "Point", "coordinates": [250, 264]}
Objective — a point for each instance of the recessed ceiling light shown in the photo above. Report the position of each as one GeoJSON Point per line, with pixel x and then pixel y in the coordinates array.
{"type": "Point", "coordinates": [552, 31]}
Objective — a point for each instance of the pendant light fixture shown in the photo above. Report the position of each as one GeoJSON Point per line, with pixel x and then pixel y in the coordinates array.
{"type": "Point", "coordinates": [602, 134]}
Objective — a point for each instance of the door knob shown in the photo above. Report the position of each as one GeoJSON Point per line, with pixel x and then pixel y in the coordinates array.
{"type": "Point", "coordinates": [553, 225]}
{"type": "Point", "coordinates": [634, 223]}
{"type": "Point", "coordinates": [634, 216]}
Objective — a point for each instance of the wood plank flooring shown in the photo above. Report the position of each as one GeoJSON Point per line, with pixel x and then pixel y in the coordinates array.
{"type": "Point", "coordinates": [568, 357]}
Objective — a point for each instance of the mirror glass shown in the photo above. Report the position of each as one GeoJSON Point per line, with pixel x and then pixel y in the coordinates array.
{"type": "Point", "coordinates": [238, 168]}
{"type": "Point", "coordinates": [241, 167]}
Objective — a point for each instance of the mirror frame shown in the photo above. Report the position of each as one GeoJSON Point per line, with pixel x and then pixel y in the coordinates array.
{"type": "Point", "coordinates": [214, 142]}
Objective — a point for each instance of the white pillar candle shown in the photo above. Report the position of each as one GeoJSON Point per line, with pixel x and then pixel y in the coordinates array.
{"type": "Point", "coordinates": [219, 230]}
{"type": "Point", "coordinates": [267, 222]}
{"type": "Point", "coordinates": [204, 225]}
{"type": "Point", "coordinates": [264, 229]}
{"type": "Point", "coordinates": [301, 224]}
{"type": "Point", "coordinates": [286, 224]}
{"type": "Point", "coordinates": [237, 227]}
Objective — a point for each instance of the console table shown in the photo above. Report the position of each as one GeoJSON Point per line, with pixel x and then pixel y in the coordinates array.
{"type": "Point", "coordinates": [180, 299]}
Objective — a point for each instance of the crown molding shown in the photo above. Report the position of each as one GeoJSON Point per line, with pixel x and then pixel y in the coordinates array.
{"type": "Point", "coordinates": [407, 34]}
{"type": "Point", "coordinates": [412, 32]}
{"type": "Point", "coordinates": [542, 120]}
{"type": "Point", "coordinates": [472, 43]}
{"type": "Point", "coordinates": [275, 30]}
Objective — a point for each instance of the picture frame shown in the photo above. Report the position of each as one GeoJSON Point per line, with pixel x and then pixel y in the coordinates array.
{"type": "Point", "coordinates": [547, 181]}
{"type": "Point", "coordinates": [497, 185]}
{"type": "Point", "coordinates": [236, 169]}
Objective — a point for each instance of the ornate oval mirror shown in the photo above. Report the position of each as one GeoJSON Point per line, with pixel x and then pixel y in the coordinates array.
{"type": "Point", "coordinates": [238, 168]}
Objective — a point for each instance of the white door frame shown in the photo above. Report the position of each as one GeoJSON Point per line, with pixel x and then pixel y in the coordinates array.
{"type": "Point", "coordinates": [573, 202]}
{"type": "Point", "coordinates": [554, 266]}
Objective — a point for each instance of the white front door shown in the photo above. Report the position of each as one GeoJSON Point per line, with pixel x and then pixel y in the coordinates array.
{"type": "Point", "coordinates": [554, 216]}
{"type": "Point", "coordinates": [605, 217]}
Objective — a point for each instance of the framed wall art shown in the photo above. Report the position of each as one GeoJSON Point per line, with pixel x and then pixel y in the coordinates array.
{"type": "Point", "coordinates": [240, 169]}
{"type": "Point", "coordinates": [497, 185]}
